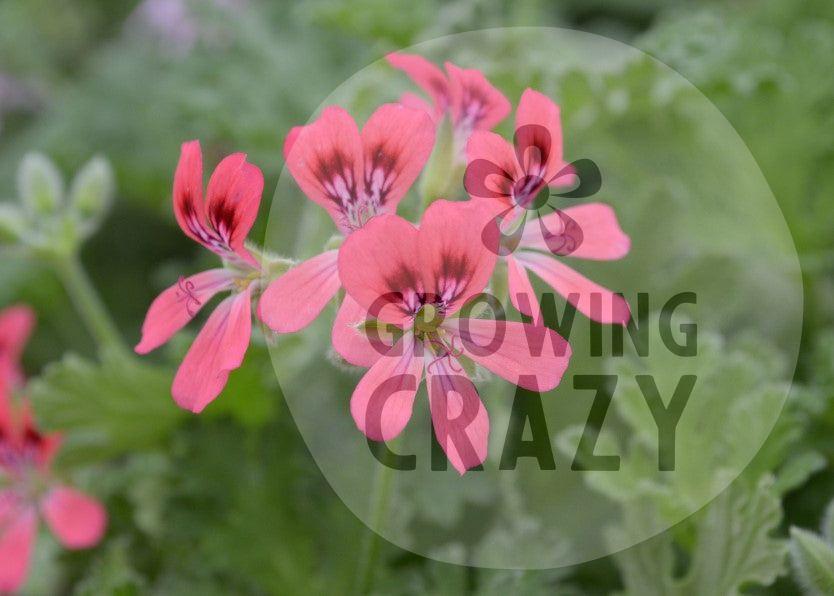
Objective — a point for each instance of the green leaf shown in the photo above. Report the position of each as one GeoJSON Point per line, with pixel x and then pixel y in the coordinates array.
{"type": "Point", "coordinates": [813, 562]}
{"type": "Point", "coordinates": [827, 525]}
{"type": "Point", "coordinates": [647, 569]}
{"type": "Point", "coordinates": [734, 546]}
{"type": "Point", "coordinates": [797, 469]}
{"type": "Point", "coordinates": [40, 185]}
{"type": "Point", "coordinates": [112, 573]}
{"type": "Point", "coordinates": [107, 408]}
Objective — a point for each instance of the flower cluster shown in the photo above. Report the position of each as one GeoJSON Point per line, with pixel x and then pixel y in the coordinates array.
{"type": "Point", "coordinates": [410, 291]}
{"type": "Point", "coordinates": [28, 487]}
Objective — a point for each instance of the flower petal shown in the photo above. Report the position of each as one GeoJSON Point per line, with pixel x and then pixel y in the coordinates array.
{"type": "Point", "coordinates": [415, 102]}
{"type": "Point", "coordinates": [177, 305]}
{"type": "Point", "coordinates": [538, 135]}
{"type": "Point", "coordinates": [602, 237]}
{"type": "Point", "coordinates": [475, 103]}
{"type": "Point", "coordinates": [233, 197]}
{"type": "Point", "coordinates": [491, 167]}
{"type": "Point", "coordinates": [455, 259]}
{"type": "Point", "coordinates": [325, 159]}
{"type": "Point", "coordinates": [358, 347]}
{"type": "Point", "coordinates": [529, 355]}
{"type": "Point", "coordinates": [397, 142]}
{"type": "Point", "coordinates": [521, 290]}
{"type": "Point", "coordinates": [218, 349]}
{"type": "Point", "coordinates": [379, 267]}
{"type": "Point", "coordinates": [189, 208]}
{"type": "Point", "coordinates": [461, 423]}
{"type": "Point", "coordinates": [18, 529]}
{"type": "Point", "coordinates": [592, 300]}
{"type": "Point", "coordinates": [425, 74]}
{"type": "Point", "coordinates": [77, 520]}
{"type": "Point", "coordinates": [295, 299]}
{"type": "Point", "coordinates": [382, 402]}
{"type": "Point", "coordinates": [16, 324]}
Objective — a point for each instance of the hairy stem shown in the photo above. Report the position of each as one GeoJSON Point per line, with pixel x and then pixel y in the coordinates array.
{"type": "Point", "coordinates": [89, 305]}
{"type": "Point", "coordinates": [381, 497]}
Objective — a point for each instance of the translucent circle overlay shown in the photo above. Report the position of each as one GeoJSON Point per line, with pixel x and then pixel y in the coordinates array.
{"type": "Point", "coordinates": [708, 243]}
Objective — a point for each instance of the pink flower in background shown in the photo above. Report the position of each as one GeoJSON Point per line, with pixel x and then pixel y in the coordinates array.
{"type": "Point", "coordinates": [16, 324]}
{"type": "Point", "coordinates": [414, 280]}
{"type": "Point", "coordinates": [354, 176]}
{"type": "Point", "coordinates": [469, 99]}
{"type": "Point", "coordinates": [512, 177]}
{"type": "Point", "coordinates": [27, 486]}
{"type": "Point", "coordinates": [220, 222]}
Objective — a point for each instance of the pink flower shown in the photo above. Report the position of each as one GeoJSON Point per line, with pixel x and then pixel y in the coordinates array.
{"type": "Point", "coordinates": [414, 281]}
{"type": "Point", "coordinates": [354, 176]}
{"type": "Point", "coordinates": [28, 487]}
{"type": "Point", "coordinates": [16, 324]}
{"type": "Point", "coordinates": [220, 223]}
{"type": "Point", "coordinates": [77, 520]}
{"type": "Point", "coordinates": [513, 177]}
{"type": "Point", "coordinates": [469, 99]}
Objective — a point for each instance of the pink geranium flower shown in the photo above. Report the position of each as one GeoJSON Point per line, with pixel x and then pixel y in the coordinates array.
{"type": "Point", "coordinates": [465, 95]}
{"type": "Point", "coordinates": [415, 281]}
{"type": "Point", "coordinates": [354, 176]}
{"type": "Point", "coordinates": [27, 486]}
{"type": "Point", "coordinates": [220, 223]}
{"type": "Point", "coordinates": [16, 324]}
{"type": "Point", "coordinates": [513, 177]}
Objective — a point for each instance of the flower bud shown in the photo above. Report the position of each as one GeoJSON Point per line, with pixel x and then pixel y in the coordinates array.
{"type": "Point", "coordinates": [92, 190]}
{"type": "Point", "coordinates": [39, 184]}
{"type": "Point", "coordinates": [440, 169]}
{"type": "Point", "coordinates": [12, 223]}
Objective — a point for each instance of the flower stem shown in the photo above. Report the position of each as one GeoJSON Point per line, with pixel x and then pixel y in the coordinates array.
{"type": "Point", "coordinates": [381, 496]}
{"type": "Point", "coordinates": [89, 305]}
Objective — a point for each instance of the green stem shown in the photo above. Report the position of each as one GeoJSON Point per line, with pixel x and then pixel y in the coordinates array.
{"type": "Point", "coordinates": [381, 496]}
{"type": "Point", "coordinates": [89, 305]}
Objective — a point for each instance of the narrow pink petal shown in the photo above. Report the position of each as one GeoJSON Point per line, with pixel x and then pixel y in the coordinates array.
{"type": "Point", "coordinates": [397, 142]}
{"type": "Point", "coordinates": [325, 159]}
{"type": "Point", "coordinates": [491, 167]}
{"type": "Point", "coordinates": [295, 299]}
{"type": "Point", "coordinates": [521, 290]}
{"type": "Point", "coordinates": [382, 402]}
{"type": "Point", "coordinates": [189, 208]}
{"type": "Point", "coordinates": [538, 135]}
{"type": "Point", "coordinates": [232, 201]}
{"type": "Point", "coordinates": [426, 75]}
{"type": "Point", "coordinates": [353, 344]}
{"type": "Point", "coordinates": [289, 141]}
{"type": "Point", "coordinates": [380, 269]}
{"type": "Point", "coordinates": [592, 300]}
{"type": "Point", "coordinates": [24, 433]}
{"type": "Point", "coordinates": [602, 237]}
{"type": "Point", "coordinates": [16, 325]}
{"type": "Point", "coordinates": [77, 520]}
{"type": "Point", "coordinates": [475, 103]}
{"type": "Point", "coordinates": [529, 355]}
{"type": "Point", "coordinates": [177, 305]}
{"type": "Point", "coordinates": [455, 261]}
{"type": "Point", "coordinates": [18, 529]}
{"type": "Point", "coordinates": [218, 349]}
{"type": "Point", "coordinates": [460, 421]}
{"type": "Point", "coordinates": [415, 102]}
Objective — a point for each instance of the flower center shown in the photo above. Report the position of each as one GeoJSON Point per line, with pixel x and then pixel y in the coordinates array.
{"type": "Point", "coordinates": [531, 192]}
{"type": "Point", "coordinates": [427, 320]}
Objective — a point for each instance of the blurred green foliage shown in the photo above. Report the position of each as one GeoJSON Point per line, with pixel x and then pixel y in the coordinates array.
{"type": "Point", "coordinates": [232, 502]}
